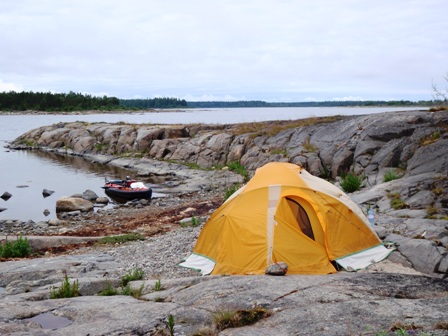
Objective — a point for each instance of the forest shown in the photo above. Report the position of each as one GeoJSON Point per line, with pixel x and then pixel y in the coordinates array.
{"type": "Point", "coordinates": [55, 102]}
{"type": "Point", "coordinates": [259, 103]}
{"type": "Point", "coordinates": [68, 102]}
{"type": "Point", "coordinates": [47, 101]}
{"type": "Point", "coordinates": [153, 103]}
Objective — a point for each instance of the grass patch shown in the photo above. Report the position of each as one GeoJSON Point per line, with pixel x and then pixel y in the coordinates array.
{"type": "Point", "coordinates": [400, 329]}
{"type": "Point", "coordinates": [309, 147]}
{"type": "Point", "coordinates": [431, 211]}
{"type": "Point", "coordinates": [125, 290]}
{"type": "Point", "coordinates": [121, 238]}
{"type": "Point", "coordinates": [325, 172]}
{"type": "Point", "coordinates": [437, 191]}
{"type": "Point", "coordinates": [19, 248]}
{"type": "Point", "coordinates": [109, 290]}
{"type": "Point", "coordinates": [433, 137]}
{"type": "Point", "coordinates": [396, 202]}
{"type": "Point", "coordinates": [274, 127]}
{"type": "Point", "coordinates": [192, 165]}
{"type": "Point", "coordinates": [132, 275]}
{"type": "Point", "coordinates": [158, 286]}
{"type": "Point", "coordinates": [27, 142]}
{"type": "Point", "coordinates": [280, 151]}
{"type": "Point", "coordinates": [238, 168]}
{"type": "Point", "coordinates": [194, 222]}
{"type": "Point", "coordinates": [170, 322]}
{"type": "Point", "coordinates": [66, 290]}
{"type": "Point", "coordinates": [390, 175]}
{"type": "Point", "coordinates": [100, 147]}
{"type": "Point", "coordinates": [224, 319]}
{"type": "Point", "coordinates": [438, 109]}
{"type": "Point", "coordinates": [231, 190]}
{"type": "Point", "coordinates": [350, 182]}
{"type": "Point", "coordinates": [136, 293]}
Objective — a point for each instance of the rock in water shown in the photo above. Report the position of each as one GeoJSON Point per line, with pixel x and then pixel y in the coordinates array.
{"type": "Point", "coordinates": [47, 192]}
{"type": "Point", "coordinates": [65, 204]}
{"type": "Point", "coordinates": [6, 196]}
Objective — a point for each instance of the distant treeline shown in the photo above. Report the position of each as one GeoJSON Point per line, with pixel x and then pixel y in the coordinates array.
{"type": "Point", "coordinates": [259, 103]}
{"type": "Point", "coordinates": [153, 103]}
{"type": "Point", "coordinates": [40, 101]}
{"type": "Point", "coordinates": [47, 101]}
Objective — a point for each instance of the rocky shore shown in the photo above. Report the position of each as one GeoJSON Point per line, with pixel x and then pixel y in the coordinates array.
{"type": "Point", "coordinates": [408, 291]}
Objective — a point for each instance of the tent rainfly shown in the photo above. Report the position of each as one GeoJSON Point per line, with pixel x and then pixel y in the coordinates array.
{"type": "Point", "coordinates": [285, 214]}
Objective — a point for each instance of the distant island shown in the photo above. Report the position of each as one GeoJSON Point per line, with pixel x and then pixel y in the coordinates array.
{"type": "Point", "coordinates": [67, 102]}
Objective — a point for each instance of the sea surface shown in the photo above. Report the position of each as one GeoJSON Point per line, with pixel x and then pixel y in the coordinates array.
{"type": "Point", "coordinates": [25, 174]}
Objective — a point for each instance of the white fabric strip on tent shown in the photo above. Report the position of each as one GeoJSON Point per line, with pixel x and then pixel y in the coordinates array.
{"type": "Point", "coordinates": [199, 263]}
{"type": "Point", "coordinates": [364, 259]}
{"type": "Point", "coordinates": [274, 196]}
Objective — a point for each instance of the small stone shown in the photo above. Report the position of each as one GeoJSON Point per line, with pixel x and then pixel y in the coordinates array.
{"type": "Point", "coordinates": [144, 201]}
{"type": "Point", "coordinates": [53, 222]}
{"type": "Point", "coordinates": [102, 200]}
{"type": "Point", "coordinates": [279, 268]}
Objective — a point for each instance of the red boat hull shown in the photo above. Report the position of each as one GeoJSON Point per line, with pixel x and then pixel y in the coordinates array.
{"type": "Point", "coordinates": [128, 189]}
{"type": "Point", "coordinates": [129, 194]}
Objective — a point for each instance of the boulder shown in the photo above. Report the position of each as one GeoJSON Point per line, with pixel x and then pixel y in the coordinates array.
{"type": "Point", "coordinates": [81, 141]}
{"type": "Point", "coordinates": [66, 204]}
{"type": "Point", "coordinates": [436, 153]}
{"type": "Point", "coordinates": [443, 265]}
{"type": "Point", "coordinates": [423, 254]}
{"type": "Point", "coordinates": [145, 137]}
{"type": "Point", "coordinates": [89, 195]}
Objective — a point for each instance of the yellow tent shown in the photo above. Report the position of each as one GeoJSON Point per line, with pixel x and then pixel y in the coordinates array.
{"type": "Point", "coordinates": [285, 214]}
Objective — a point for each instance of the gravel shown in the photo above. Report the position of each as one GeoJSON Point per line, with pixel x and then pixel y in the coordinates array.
{"type": "Point", "coordinates": [159, 256]}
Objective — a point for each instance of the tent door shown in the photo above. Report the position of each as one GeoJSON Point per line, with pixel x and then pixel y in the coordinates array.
{"type": "Point", "coordinates": [301, 217]}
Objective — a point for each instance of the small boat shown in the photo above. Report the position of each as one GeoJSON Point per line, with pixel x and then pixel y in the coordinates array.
{"type": "Point", "coordinates": [127, 189]}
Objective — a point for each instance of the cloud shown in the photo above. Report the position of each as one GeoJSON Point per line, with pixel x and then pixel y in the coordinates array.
{"type": "Point", "coordinates": [7, 87]}
{"type": "Point", "coordinates": [349, 98]}
{"type": "Point", "coordinates": [266, 49]}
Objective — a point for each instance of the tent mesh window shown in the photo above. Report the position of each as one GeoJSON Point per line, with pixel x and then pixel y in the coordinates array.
{"type": "Point", "coordinates": [301, 217]}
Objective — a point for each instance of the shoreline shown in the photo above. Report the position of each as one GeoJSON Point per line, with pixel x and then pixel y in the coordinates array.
{"type": "Point", "coordinates": [180, 110]}
{"type": "Point", "coordinates": [407, 291]}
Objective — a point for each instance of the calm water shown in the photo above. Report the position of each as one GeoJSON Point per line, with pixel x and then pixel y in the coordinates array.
{"type": "Point", "coordinates": [25, 174]}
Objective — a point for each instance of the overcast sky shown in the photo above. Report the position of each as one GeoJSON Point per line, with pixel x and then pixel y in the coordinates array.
{"type": "Point", "coordinates": [271, 50]}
